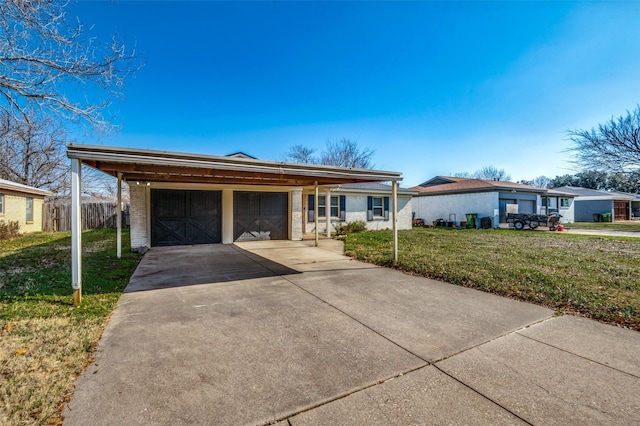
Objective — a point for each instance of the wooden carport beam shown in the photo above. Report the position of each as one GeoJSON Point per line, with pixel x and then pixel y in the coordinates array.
{"type": "Point", "coordinates": [315, 215]}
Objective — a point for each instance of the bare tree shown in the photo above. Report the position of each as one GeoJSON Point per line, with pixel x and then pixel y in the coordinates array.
{"type": "Point", "coordinates": [346, 153]}
{"type": "Point", "coordinates": [541, 182]}
{"type": "Point", "coordinates": [492, 173]}
{"type": "Point", "coordinates": [32, 153]}
{"type": "Point", "coordinates": [486, 173]}
{"type": "Point", "coordinates": [43, 50]}
{"type": "Point", "coordinates": [300, 154]}
{"type": "Point", "coordinates": [613, 147]}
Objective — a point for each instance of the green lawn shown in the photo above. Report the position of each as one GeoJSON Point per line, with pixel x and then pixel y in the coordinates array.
{"type": "Point", "coordinates": [628, 226]}
{"type": "Point", "coordinates": [598, 277]}
{"type": "Point", "coordinates": [46, 341]}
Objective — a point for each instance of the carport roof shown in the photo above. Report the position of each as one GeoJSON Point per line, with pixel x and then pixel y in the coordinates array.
{"type": "Point", "coordinates": [164, 166]}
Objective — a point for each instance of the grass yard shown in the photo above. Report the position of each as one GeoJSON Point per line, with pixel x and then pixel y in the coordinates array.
{"type": "Point", "coordinates": [46, 341]}
{"type": "Point", "coordinates": [597, 277]}
{"type": "Point", "coordinates": [628, 225]}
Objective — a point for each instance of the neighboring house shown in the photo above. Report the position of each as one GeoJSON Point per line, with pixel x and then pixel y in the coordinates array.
{"type": "Point", "coordinates": [181, 198]}
{"type": "Point", "coordinates": [366, 202]}
{"type": "Point", "coordinates": [22, 204]}
{"type": "Point", "coordinates": [451, 198]}
{"type": "Point", "coordinates": [589, 203]}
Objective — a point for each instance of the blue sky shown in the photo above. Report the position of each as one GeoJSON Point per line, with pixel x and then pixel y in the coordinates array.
{"type": "Point", "coordinates": [435, 88]}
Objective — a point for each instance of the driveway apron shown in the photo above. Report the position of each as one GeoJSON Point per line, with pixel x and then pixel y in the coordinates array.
{"type": "Point", "coordinates": [283, 332]}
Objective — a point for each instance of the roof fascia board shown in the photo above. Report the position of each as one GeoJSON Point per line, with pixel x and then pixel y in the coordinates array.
{"type": "Point", "coordinates": [127, 156]}
{"type": "Point", "coordinates": [24, 189]}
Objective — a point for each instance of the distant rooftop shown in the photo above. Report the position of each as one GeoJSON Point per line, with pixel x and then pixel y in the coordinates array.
{"type": "Point", "coordinates": [7, 185]}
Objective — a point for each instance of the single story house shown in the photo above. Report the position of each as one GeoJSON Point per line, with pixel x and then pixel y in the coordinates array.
{"type": "Point", "coordinates": [23, 204]}
{"type": "Point", "coordinates": [591, 204]}
{"type": "Point", "coordinates": [451, 198]}
{"type": "Point", "coordinates": [181, 198]}
{"type": "Point", "coordinates": [366, 202]}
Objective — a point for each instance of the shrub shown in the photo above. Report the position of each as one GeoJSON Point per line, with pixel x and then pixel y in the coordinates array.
{"type": "Point", "coordinates": [9, 230]}
{"type": "Point", "coordinates": [351, 227]}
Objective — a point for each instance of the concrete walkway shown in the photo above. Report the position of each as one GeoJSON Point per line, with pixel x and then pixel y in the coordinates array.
{"type": "Point", "coordinates": [287, 333]}
{"type": "Point", "coordinates": [602, 232]}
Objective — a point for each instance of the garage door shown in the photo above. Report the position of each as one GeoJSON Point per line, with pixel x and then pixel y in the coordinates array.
{"type": "Point", "coordinates": [185, 217]}
{"type": "Point", "coordinates": [526, 206]}
{"type": "Point", "coordinates": [260, 216]}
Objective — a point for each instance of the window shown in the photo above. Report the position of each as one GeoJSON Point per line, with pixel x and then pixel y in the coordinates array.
{"type": "Point", "coordinates": [29, 209]}
{"type": "Point", "coordinates": [545, 201]}
{"type": "Point", "coordinates": [378, 209]}
{"type": "Point", "coordinates": [322, 206]}
{"type": "Point", "coordinates": [564, 202]}
{"type": "Point", "coordinates": [337, 207]}
{"type": "Point", "coordinates": [1, 204]}
{"type": "Point", "coordinates": [334, 208]}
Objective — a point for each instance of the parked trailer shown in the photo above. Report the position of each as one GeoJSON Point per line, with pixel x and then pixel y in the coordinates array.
{"type": "Point", "coordinates": [519, 220]}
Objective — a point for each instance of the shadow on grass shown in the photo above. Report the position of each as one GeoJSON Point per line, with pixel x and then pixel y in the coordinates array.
{"type": "Point", "coordinates": [39, 265]}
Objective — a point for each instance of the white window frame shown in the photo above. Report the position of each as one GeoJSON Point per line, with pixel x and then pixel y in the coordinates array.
{"type": "Point", "coordinates": [375, 208]}
{"type": "Point", "coordinates": [333, 208]}
{"type": "Point", "coordinates": [564, 202]}
{"type": "Point", "coordinates": [29, 209]}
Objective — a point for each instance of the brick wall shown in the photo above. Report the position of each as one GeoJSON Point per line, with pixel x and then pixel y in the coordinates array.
{"type": "Point", "coordinates": [138, 217]}
{"type": "Point", "coordinates": [15, 210]}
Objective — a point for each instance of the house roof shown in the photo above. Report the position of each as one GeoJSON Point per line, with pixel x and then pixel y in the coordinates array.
{"type": "Point", "coordinates": [373, 187]}
{"type": "Point", "coordinates": [7, 185]}
{"type": "Point", "coordinates": [164, 166]}
{"type": "Point", "coordinates": [556, 193]}
{"type": "Point", "coordinates": [594, 193]}
{"type": "Point", "coordinates": [453, 185]}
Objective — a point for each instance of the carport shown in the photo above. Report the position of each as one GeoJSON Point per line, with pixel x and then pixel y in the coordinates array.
{"type": "Point", "coordinates": [200, 199]}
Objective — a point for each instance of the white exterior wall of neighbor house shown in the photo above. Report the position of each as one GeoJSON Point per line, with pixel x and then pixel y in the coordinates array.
{"type": "Point", "coordinates": [567, 213]}
{"type": "Point", "coordinates": [431, 208]}
{"type": "Point", "coordinates": [357, 211]}
{"type": "Point", "coordinates": [15, 210]}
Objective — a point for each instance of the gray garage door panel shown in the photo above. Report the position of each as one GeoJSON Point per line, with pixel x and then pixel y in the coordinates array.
{"type": "Point", "coordinates": [260, 216]}
{"type": "Point", "coordinates": [185, 217]}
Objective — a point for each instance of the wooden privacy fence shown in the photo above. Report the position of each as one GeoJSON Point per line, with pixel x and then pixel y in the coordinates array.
{"type": "Point", "coordinates": [57, 216]}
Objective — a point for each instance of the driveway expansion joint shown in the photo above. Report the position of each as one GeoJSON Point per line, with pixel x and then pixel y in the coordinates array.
{"type": "Point", "coordinates": [578, 355]}
{"type": "Point", "coordinates": [287, 417]}
{"type": "Point", "coordinates": [508, 333]}
{"type": "Point", "coordinates": [471, 388]}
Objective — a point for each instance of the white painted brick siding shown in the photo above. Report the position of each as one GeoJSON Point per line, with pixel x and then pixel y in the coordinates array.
{"type": "Point", "coordinates": [357, 210]}
{"type": "Point", "coordinates": [441, 206]}
{"type": "Point", "coordinates": [296, 214]}
{"type": "Point", "coordinates": [138, 218]}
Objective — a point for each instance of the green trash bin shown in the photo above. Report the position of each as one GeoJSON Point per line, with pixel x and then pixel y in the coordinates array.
{"type": "Point", "coordinates": [606, 217]}
{"type": "Point", "coordinates": [471, 220]}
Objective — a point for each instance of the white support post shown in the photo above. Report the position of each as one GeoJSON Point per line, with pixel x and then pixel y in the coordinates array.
{"type": "Point", "coordinates": [327, 209]}
{"type": "Point", "coordinates": [315, 216]}
{"type": "Point", "coordinates": [119, 218]}
{"type": "Point", "coordinates": [76, 231]}
{"type": "Point", "coordinates": [394, 218]}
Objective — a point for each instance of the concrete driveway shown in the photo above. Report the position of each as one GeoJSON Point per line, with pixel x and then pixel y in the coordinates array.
{"type": "Point", "coordinates": [287, 333]}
